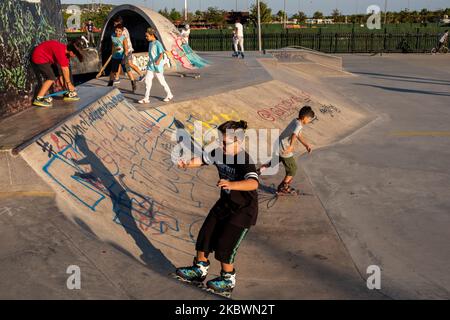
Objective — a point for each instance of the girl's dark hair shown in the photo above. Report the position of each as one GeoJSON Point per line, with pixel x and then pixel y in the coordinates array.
{"type": "Point", "coordinates": [232, 125]}
{"type": "Point", "coordinates": [119, 26]}
{"type": "Point", "coordinates": [118, 19]}
{"type": "Point", "coordinates": [306, 111]}
{"type": "Point", "coordinates": [151, 31]}
{"type": "Point", "coordinates": [75, 46]}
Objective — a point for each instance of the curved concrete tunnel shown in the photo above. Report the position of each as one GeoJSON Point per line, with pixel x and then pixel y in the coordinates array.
{"type": "Point", "coordinates": [137, 20]}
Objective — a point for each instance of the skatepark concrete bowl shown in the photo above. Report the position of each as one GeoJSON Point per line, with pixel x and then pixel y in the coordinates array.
{"type": "Point", "coordinates": [98, 189]}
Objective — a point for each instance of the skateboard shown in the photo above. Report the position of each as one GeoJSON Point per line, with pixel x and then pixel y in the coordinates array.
{"type": "Point", "coordinates": [294, 192]}
{"type": "Point", "coordinates": [59, 93]}
{"type": "Point", "coordinates": [102, 70]}
{"type": "Point", "coordinates": [188, 75]}
{"type": "Point", "coordinates": [201, 286]}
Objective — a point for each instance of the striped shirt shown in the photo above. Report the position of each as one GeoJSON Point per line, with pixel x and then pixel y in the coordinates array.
{"type": "Point", "coordinates": [240, 206]}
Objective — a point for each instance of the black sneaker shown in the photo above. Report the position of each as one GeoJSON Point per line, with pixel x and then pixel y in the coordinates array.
{"type": "Point", "coordinates": [110, 83]}
{"type": "Point", "coordinates": [71, 96]}
{"type": "Point", "coordinates": [41, 102]}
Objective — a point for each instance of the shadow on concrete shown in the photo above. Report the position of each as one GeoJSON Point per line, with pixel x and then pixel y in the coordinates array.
{"type": "Point", "coordinates": [122, 207]}
{"type": "Point", "coordinates": [318, 269]}
{"type": "Point", "coordinates": [432, 93]}
{"type": "Point", "coordinates": [85, 227]}
{"type": "Point", "coordinates": [403, 77]}
{"type": "Point", "coordinates": [413, 81]}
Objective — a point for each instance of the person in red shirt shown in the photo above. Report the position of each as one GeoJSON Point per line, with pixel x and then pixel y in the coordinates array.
{"type": "Point", "coordinates": [50, 59]}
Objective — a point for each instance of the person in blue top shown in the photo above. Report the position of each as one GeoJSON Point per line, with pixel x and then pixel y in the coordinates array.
{"type": "Point", "coordinates": [119, 47]}
{"type": "Point", "coordinates": [155, 67]}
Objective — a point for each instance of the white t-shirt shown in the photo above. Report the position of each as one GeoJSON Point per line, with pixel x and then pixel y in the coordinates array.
{"type": "Point", "coordinates": [295, 127]}
{"type": "Point", "coordinates": [444, 38]}
{"type": "Point", "coordinates": [240, 29]}
{"type": "Point", "coordinates": [185, 34]}
{"type": "Point", "coordinates": [127, 35]}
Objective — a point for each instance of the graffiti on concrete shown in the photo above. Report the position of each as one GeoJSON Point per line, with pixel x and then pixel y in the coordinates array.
{"type": "Point", "coordinates": [285, 109]}
{"type": "Point", "coordinates": [113, 153]}
{"type": "Point", "coordinates": [182, 56]}
{"type": "Point", "coordinates": [23, 25]}
{"type": "Point", "coordinates": [329, 109]}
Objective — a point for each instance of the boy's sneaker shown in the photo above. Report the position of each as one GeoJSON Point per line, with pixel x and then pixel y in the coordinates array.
{"type": "Point", "coordinates": [242, 55]}
{"type": "Point", "coordinates": [41, 102]}
{"type": "Point", "coordinates": [133, 86]}
{"type": "Point", "coordinates": [110, 83]}
{"type": "Point", "coordinates": [144, 101]}
{"type": "Point", "coordinates": [168, 98]}
{"type": "Point", "coordinates": [196, 273]}
{"type": "Point", "coordinates": [49, 99]}
{"type": "Point", "coordinates": [141, 78]}
{"type": "Point", "coordinates": [224, 284]}
{"type": "Point", "coordinates": [285, 188]}
{"type": "Point", "coordinates": [235, 55]}
{"type": "Point", "coordinates": [71, 96]}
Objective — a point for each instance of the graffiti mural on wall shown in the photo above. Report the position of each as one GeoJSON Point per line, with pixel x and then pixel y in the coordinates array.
{"type": "Point", "coordinates": [23, 24]}
{"type": "Point", "coordinates": [182, 56]}
{"type": "Point", "coordinates": [112, 159]}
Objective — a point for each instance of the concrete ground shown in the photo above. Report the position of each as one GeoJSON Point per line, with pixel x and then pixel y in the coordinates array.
{"type": "Point", "coordinates": [386, 187]}
{"type": "Point", "coordinates": [38, 244]}
{"type": "Point", "coordinates": [225, 73]}
{"type": "Point", "coordinates": [379, 196]}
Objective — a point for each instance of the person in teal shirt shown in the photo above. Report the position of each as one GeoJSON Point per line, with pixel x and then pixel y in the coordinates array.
{"type": "Point", "coordinates": [119, 47]}
{"type": "Point", "coordinates": [155, 67]}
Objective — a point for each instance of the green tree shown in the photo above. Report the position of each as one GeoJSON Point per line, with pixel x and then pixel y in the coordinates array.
{"type": "Point", "coordinates": [266, 13]}
{"type": "Point", "coordinates": [337, 15]}
{"type": "Point", "coordinates": [164, 13]}
{"type": "Point", "coordinates": [318, 15]}
{"type": "Point", "coordinates": [300, 16]}
{"type": "Point", "coordinates": [97, 17]}
{"type": "Point", "coordinates": [280, 16]}
{"type": "Point", "coordinates": [215, 16]}
{"type": "Point", "coordinates": [198, 15]}
{"type": "Point", "coordinates": [174, 15]}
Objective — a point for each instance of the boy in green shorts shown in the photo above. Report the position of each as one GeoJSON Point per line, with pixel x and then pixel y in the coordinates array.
{"type": "Point", "coordinates": [287, 140]}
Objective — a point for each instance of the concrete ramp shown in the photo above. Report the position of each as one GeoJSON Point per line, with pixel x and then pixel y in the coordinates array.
{"type": "Point", "coordinates": [112, 173]}
{"type": "Point", "coordinates": [305, 55]}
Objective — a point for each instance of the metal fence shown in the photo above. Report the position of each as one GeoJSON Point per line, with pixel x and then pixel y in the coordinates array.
{"type": "Point", "coordinates": [338, 42]}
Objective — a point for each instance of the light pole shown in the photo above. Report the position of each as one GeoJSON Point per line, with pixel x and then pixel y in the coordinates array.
{"type": "Point", "coordinates": [385, 11]}
{"type": "Point", "coordinates": [185, 10]}
{"type": "Point", "coordinates": [259, 26]}
{"type": "Point", "coordinates": [285, 15]}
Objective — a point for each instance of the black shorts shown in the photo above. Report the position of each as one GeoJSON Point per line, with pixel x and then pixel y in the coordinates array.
{"type": "Point", "coordinates": [221, 237]}
{"type": "Point", "coordinates": [49, 71]}
{"type": "Point", "coordinates": [116, 63]}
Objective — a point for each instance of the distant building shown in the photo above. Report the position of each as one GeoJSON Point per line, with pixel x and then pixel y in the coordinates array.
{"type": "Point", "coordinates": [319, 21]}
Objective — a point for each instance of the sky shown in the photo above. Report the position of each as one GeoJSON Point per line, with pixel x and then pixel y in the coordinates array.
{"type": "Point", "coordinates": [292, 6]}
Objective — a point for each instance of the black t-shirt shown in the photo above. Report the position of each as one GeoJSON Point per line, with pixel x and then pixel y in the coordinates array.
{"type": "Point", "coordinates": [90, 26]}
{"type": "Point", "coordinates": [240, 207]}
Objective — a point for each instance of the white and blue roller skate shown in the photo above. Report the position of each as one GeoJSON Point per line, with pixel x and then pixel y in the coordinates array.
{"type": "Point", "coordinates": [195, 274]}
{"type": "Point", "coordinates": [223, 285]}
